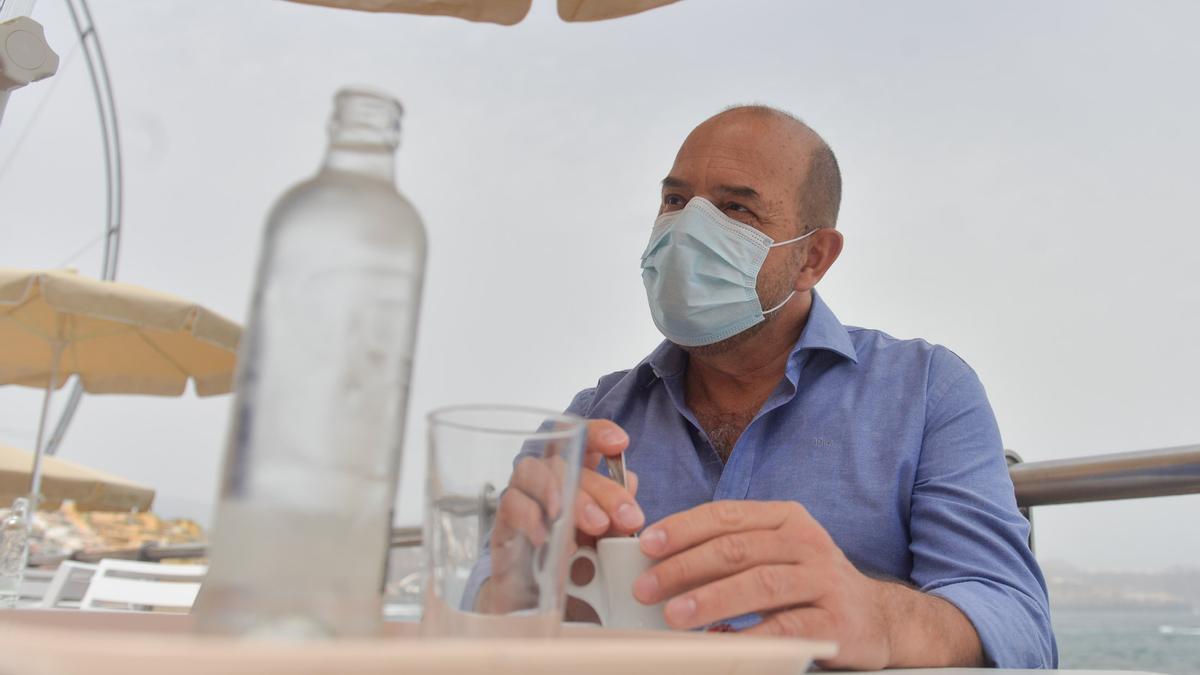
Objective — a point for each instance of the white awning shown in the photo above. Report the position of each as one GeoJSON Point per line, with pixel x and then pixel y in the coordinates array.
{"type": "Point", "coordinates": [505, 12]}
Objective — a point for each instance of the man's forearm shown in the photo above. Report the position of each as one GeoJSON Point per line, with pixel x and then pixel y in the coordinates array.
{"type": "Point", "coordinates": [926, 631]}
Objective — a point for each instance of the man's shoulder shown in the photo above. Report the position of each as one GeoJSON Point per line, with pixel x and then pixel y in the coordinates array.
{"type": "Point", "coordinates": [617, 383]}
{"type": "Point", "coordinates": [880, 350]}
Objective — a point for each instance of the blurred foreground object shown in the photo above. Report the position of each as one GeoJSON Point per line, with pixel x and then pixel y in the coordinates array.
{"type": "Point", "coordinates": [304, 518]}
{"type": "Point", "coordinates": [25, 56]}
{"type": "Point", "coordinates": [505, 12]}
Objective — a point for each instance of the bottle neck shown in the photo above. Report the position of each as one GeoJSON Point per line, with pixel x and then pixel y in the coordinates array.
{"type": "Point", "coordinates": [374, 161]}
{"type": "Point", "coordinates": [363, 134]}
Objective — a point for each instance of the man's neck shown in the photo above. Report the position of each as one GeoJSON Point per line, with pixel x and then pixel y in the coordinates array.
{"type": "Point", "coordinates": [747, 373]}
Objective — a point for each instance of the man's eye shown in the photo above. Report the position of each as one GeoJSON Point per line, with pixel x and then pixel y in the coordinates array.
{"type": "Point", "coordinates": [734, 206]}
{"type": "Point", "coordinates": [673, 200]}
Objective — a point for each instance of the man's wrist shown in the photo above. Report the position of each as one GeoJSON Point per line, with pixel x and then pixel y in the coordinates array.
{"type": "Point", "coordinates": [886, 608]}
{"type": "Point", "coordinates": [924, 631]}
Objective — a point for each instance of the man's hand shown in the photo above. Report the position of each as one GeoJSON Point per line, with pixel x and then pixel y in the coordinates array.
{"type": "Point", "coordinates": [602, 507]}
{"type": "Point", "coordinates": [724, 559]}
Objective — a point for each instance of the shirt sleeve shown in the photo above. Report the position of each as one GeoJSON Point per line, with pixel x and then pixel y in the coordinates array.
{"type": "Point", "coordinates": [970, 544]}
{"type": "Point", "coordinates": [482, 571]}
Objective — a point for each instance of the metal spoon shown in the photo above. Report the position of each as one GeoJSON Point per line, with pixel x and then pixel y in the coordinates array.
{"type": "Point", "coordinates": [616, 471]}
{"type": "Point", "coordinates": [616, 468]}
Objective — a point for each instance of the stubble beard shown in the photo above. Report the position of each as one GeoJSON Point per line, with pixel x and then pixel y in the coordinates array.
{"type": "Point", "coordinates": [778, 290]}
{"type": "Point", "coordinates": [730, 343]}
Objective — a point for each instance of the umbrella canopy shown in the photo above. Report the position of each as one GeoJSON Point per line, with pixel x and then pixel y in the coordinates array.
{"type": "Point", "coordinates": [92, 490]}
{"type": "Point", "coordinates": [505, 12]}
{"type": "Point", "coordinates": [118, 338]}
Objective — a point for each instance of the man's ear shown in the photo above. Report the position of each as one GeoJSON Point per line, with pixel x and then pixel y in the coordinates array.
{"type": "Point", "coordinates": [824, 247]}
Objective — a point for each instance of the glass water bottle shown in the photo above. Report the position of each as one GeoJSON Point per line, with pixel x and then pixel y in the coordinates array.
{"type": "Point", "coordinates": [14, 551]}
{"type": "Point", "coordinates": [311, 467]}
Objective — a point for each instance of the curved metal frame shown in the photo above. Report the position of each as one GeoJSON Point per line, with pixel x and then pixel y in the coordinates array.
{"type": "Point", "coordinates": [89, 40]}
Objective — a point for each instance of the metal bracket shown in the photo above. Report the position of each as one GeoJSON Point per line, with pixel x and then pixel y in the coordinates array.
{"type": "Point", "coordinates": [1013, 459]}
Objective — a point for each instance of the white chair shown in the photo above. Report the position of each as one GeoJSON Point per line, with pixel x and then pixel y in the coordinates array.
{"type": "Point", "coordinates": [67, 586]}
{"type": "Point", "coordinates": [33, 586]}
{"type": "Point", "coordinates": [143, 586]}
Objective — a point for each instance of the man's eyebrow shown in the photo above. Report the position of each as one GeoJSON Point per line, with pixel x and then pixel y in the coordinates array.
{"type": "Point", "coordinates": [743, 191]}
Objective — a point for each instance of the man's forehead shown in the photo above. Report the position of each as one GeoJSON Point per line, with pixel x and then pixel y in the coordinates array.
{"type": "Point", "coordinates": [747, 163]}
{"type": "Point", "coordinates": [722, 152]}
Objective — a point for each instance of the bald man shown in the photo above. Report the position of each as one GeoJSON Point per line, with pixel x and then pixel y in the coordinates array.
{"type": "Point", "coordinates": [799, 477]}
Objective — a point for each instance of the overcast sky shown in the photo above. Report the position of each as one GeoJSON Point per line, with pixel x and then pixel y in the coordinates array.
{"type": "Point", "coordinates": [1020, 185]}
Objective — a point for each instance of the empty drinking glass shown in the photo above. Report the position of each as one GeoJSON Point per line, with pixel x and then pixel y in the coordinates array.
{"type": "Point", "coordinates": [499, 519]}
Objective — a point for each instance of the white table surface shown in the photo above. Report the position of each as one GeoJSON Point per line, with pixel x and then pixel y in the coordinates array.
{"type": "Point", "coordinates": [174, 623]}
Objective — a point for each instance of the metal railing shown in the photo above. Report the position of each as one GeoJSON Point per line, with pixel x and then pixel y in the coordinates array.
{"type": "Point", "coordinates": [1127, 475]}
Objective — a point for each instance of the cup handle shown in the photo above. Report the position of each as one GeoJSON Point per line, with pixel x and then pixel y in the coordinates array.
{"type": "Point", "coordinates": [591, 592]}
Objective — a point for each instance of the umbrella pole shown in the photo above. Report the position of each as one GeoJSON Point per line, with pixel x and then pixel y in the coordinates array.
{"type": "Point", "coordinates": [35, 480]}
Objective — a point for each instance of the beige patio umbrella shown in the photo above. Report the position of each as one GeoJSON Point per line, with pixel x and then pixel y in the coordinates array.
{"type": "Point", "coordinates": [90, 489]}
{"type": "Point", "coordinates": [505, 12]}
{"type": "Point", "coordinates": [116, 337]}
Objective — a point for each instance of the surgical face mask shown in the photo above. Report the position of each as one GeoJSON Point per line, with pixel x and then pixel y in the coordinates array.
{"type": "Point", "coordinates": [700, 270]}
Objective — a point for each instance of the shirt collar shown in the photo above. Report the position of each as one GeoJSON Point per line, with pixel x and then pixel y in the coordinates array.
{"type": "Point", "coordinates": [822, 331]}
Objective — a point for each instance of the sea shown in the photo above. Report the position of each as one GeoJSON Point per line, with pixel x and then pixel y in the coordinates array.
{"type": "Point", "coordinates": [1147, 640]}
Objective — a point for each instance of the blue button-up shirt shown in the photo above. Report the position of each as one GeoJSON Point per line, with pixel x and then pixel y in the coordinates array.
{"type": "Point", "coordinates": [890, 444]}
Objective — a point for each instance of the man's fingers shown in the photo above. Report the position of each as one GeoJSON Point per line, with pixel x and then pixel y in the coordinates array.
{"type": "Point", "coordinates": [604, 439]}
{"type": "Point", "coordinates": [615, 500]}
{"type": "Point", "coordinates": [758, 589]}
{"type": "Point", "coordinates": [601, 505]}
{"type": "Point", "coordinates": [537, 480]}
{"type": "Point", "coordinates": [517, 513]}
{"type": "Point", "coordinates": [589, 517]}
{"type": "Point", "coordinates": [716, 559]}
{"type": "Point", "coordinates": [631, 482]}
{"type": "Point", "coordinates": [684, 530]}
